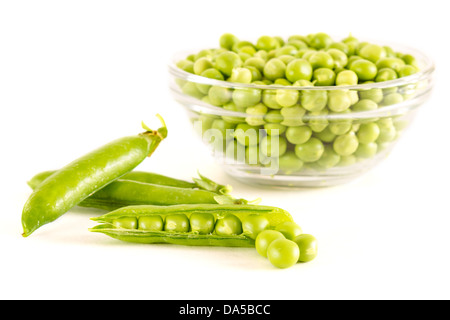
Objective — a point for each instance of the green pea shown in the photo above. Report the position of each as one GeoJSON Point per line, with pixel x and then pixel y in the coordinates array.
{"type": "Point", "coordinates": [246, 135]}
{"type": "Point", "coordinates": [186, 65]}
{"type": "Point", "coordinates": [391, 99]}
{"type": "Point", "coordinates": [202, 223]}
{"type": "Point", "coordinates": [190, 88]}
{"type": "Point", "coordinates": [211, 74]}
{"type": "Point", "coordinates": [346, 78]}
{"type": "Point", "coordinates": [406, 71]}
{"type": "Point", "coordinates": [298, 135]}
{"type": "Point", "coordinates": [227, 61]}
{"type": "Point", "coordinates": [368, 132]}
{"type": "Point", "coordinates": [324, 77]}
{"type": "Point", "coordinates": [410, 60]}
{"type": "Point", "coordinates": [314, 100]}
{"type": "Point", "coordinates": [390, 62]}
{"type": "Point", "coordinates": [248, 50]}
{"type": "Point", "coordinates": [246, 97]}
{"type": "Point", "coordinates": [282, 82]}
{"type": "Point", "coordinates": [219, 96]}
{"type": "Point", "coordinates": [341, 46]}
{"type": "Point", "coordinates": [340, 59]}
{"type": "Point", "coordinates": [228, 225]}
{"type": "Point", "coordinates": [231, 106]}
{"type": "Point", "coordinates": [256, 114]}
{"type": "Point", "coordinates": [346, 144]}
{"type": "Point", "coordinates": [151, 223]}
{"type": "Point", "coordinates": [297, 43]}
{"type": "Point", "coordinates": [286, 50]}
{"type": "Point", "coordinates": [176, 223]}
{"type": "Point", "coordinates": [364, 105]}
{"type": "Point", "coordinates": [375, 94]}
{"type": "Point", "coordinates": [274, 116]}
{"type": "Point", "coordinates": [267, 43]}
{"type": "Point", "coordinates": [205, 53]}
{"type": "Point", "coordinates": [338, 100]}
{"type": "Point", "coordinates": [256, 74]}
{"type": "Point", "coordinates": [317, 121]}
{"type": "Point", "coordinates": [283, 253]}
{"type": "Point", "coordinates": [241, 75]}
{"type": "Point", "coordinates": [253, 224]}
{"type": "Point", "coordinates": [256, 62]}
{"type": "Point", "coordinates": [329, 158]}
{"type": "Point", "coordinates": [228, 40]}
{"type": "Point", "coordinates": [340, 127]}
{"type": "Point", "coordinates": [308, 247]}
{"type": "Point", "coordinates": [367, 150]}
{"type": "Point", "coordinates": [387, 134]}
{"type": "Point", "coordinates": [386, 74]}
{"type": "Point", "coordinates": [290, 163]}
{"type": "Point", "coordinates": [286, 59]}
{"type": "Point", "coordinates": [351, 60]}
{"type": "Point", "coordinates": [273, 146]}
{"type": "Point", "coordinates": [274, 129]}
{"type": "Point", "coordinates": [310, 151]}
{"type": "Point", "coordinates": [320, 40]}
{"type": "Point", "coordinates": [274, 69]}
{"type": "Point", "coordinates": [201, 65]}
{"type": "Point", "coordinates": [289, 229]}
{"type": "Point", "coordinates": [279, 40]}
{"type": "Point", "coordinates": [125, 223]}
{"type": "Point", "coordinates": [321, 59]}
{"type": "Point", "coordinates": [326, 135]}
{"type": "Point", "coordinates": [264, 239]}
{"type": "Point", "coordinates": [292, 116]}
{"type": "Point", "coordinates": [287, 98]}
{"type": "Point", "coordinates": [241, 44]}
{"type": "Point", "coordinates": [364, 69]}
{"type": "Point", "coordinates": [372, 52]}
{"type": "Point", "coordinates": [298, 69]}
{"type": "Point", "coordinates": [269, 99]}
{"type": "Point", "coordinates": [224, 128]}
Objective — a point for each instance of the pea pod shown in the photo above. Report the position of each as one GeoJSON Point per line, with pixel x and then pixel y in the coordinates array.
{"type": "Point", "coordinates": [124, 192]}
{"type": "Point", "coordinates": [76, 181]}
{"type": "Point", "coordinates": [153, 178]}
{"type": "Point", "coordinates": [124, 224]}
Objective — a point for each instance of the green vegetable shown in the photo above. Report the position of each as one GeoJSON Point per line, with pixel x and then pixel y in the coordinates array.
{"type": "Point", "coordinates": [75, 182]}
{"type": "Point", "coordinates": [294, 111]}
{"type": "Point", "coordinates": [264, 239]}
{"type": "Point", "coordinates": [283, 253]}
{"type": "Point", "coordinates": [191, 224]}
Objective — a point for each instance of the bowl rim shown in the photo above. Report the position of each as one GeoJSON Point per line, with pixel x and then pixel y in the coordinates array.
{"type": "Point", "coordinates": [424, 73]}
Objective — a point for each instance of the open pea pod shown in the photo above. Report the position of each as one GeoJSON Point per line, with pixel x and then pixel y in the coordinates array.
{"type": "Point", "coordinates": [191, 225]}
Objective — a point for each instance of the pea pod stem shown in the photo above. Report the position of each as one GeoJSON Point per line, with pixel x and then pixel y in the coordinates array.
{"type": "Point", "coordinates": [84, 176]}
{"type": "Point", "coordinates": [274, 215]}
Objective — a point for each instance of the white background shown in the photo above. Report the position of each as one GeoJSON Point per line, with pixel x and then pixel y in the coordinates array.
{"type": "Point", "coordinates": [77, 74]}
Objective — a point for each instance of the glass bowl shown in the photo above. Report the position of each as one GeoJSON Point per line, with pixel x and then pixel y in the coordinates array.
{"type": "Point", "coordinates": [310, 143]}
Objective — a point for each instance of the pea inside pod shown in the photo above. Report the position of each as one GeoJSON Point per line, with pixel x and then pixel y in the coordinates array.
{"type": "Point", "coordinates": [196, 225]}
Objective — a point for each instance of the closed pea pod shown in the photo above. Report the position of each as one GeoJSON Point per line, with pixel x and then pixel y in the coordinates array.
{"type": "Point", "coordinates": [153, 178]}
{"type": "Point", "coordinates": [75, 182]}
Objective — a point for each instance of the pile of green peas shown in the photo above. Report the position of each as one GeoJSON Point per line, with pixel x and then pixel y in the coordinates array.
{"type": "Point", "coordinates": [286, 245]}
{"type": "Point", "coordinates": [306, 138]}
